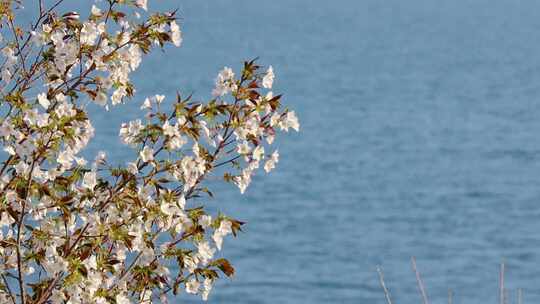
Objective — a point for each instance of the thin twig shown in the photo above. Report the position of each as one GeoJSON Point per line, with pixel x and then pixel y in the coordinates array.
{"type": "Point", "coordinates": [450, 296]}
{"type": "Point", "coordinates": [501, 285]}
{"type": "Point", "coordinates": [383, 285]}
{"type": "Point", "coordinates": [520, 296]}
{"type": "Point", "coordinates": [8, 289]}
{"type": "Point", "coordinates": [419, 281]}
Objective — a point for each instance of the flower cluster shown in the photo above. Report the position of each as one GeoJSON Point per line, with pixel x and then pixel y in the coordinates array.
{"type": "Point", "coordinates": [80, 231]}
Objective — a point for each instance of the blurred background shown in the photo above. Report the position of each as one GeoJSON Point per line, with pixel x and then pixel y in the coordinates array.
{"type": "Point", "coordinates": [420, 135]}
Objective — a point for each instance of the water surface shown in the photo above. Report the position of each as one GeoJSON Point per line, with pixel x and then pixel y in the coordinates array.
{"type": "Point", "coordinates": [420, 136]}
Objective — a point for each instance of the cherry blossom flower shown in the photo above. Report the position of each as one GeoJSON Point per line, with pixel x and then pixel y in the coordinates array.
{"type": "Point", "coordinates": [224, 82]}
{"type": "Point", "coordinates": [192, 286]}
{"type": "Point", "coordinates": [268, 79]}
{"type": "Point", "coordinates": [271, 163]}
{"type": "Point", "coordinates": [122, 299]}
{"type": "Point", "coordinates": [176, 34]}
{"type": "Point", "coordinates": [96, 11]}
{"type": "Point", "coordinates": [225, 227]}
{"type": "Point", "coordinates": [43, 101]}
{"type": "Point", "coordinates": [89, 180]}
{"type": "Point", "coordinates": [147, 154]}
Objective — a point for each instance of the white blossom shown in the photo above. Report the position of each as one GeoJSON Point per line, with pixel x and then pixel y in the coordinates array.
{"type": "Point", "coordinates": [243, 148]}
{"type": "Point", "coordinates": [290, 121]}
{"type": "Point", "coordinates": [90, 32]}
{"type": "Point", "coordinates": [176, 34]}
{"type": "Point", "coordinates": [147, 154]}
{"type": "Point", "coordinates": [96, 11]}
{"type": "Point", "coordinates": [268, 79]}
{"type": "Point", "coordinates": [146, 104]}
{"type": "Point", "coordinates": [205, 221]}
{"type": "Point", "coordinates": [122, 299]}
{"type": "Point", "coordinates": [205, 252]}
{"type": "Point", "coordinates": [224, 82]}
{"type": "Point", "coordinates": [101, 98]}
{"type": "Point", "coordinates": [129, 132]}
{"type": "Point", "coordinates": [176, 142]}
{"type": "Point", "coordinates": [159, 98]}
{"type": "Point", "coordinates": [170, 130]}
{"type": "Point", "coordinates": [65, 109]}
{"type": "Point", "coordinates": [89, 180]}
{"type": "Point", "coordinates": [43, 101]}
{"type": "Point", "coordinates": [271, 163]}
{"type": "Point", "coordinates": [66, 158]}
{"type": "Point", "coordinates": [192, 286]}
{"type": "Point", "coordinates": [22, 168]}
{"type": "Point", "coordinates": [258, 153]}
{"type": "Point", "coordinates": [225, 227]}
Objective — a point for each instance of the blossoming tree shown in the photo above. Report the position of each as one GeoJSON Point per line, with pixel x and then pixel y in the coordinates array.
{"type": "Point", "coordinates": [78, 231]}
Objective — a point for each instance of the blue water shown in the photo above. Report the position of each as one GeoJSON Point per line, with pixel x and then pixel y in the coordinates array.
{"type": "Point", "coordinates": [420, 136]}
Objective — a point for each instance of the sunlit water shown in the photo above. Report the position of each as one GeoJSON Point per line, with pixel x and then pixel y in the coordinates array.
{"type": "Point", "coordinates": [420, 136]}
